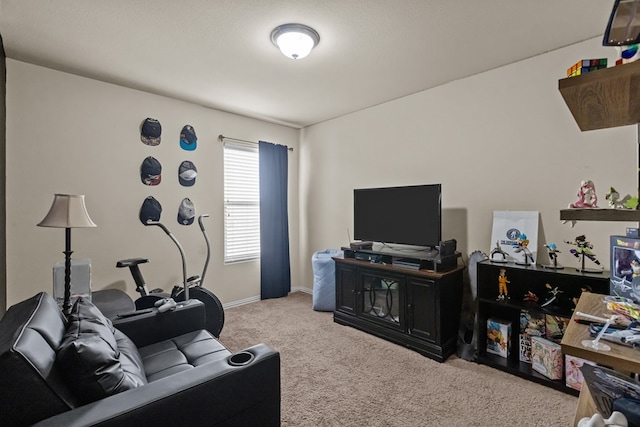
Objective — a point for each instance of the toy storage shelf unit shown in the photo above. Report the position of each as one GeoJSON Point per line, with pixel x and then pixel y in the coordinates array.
{"type": "Point", "coordinates": [418, 309]}
{"type": "Point", "coordinates": [602, 99]}
{"type": "Point", "coordinates": [524, 279]}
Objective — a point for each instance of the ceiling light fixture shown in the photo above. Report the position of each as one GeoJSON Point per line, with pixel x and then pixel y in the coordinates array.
{"type": "Point", "coordinates": [295, 40]}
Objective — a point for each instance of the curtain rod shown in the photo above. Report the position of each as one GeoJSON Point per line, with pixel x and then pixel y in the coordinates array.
{"type": "Point", "coordinates": [221, 138]}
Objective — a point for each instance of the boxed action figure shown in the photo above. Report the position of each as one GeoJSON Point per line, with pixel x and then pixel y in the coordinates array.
{"type": "Point", "coordinates": [525, 348]}
{"type": "Point", "coordinates": [532, 323]}
{"type": "Point", "coordinates": [625, 267]}
{"type": "Point", "coordinates": [546, 357]}
{"type": "Point", "coordinates": [555, 327]}
{"type": "Point", "coordinates": [572, 373]}
{"type": "Point", "coordinates": [498, 337]}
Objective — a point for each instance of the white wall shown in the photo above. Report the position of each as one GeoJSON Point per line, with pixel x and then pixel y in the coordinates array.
{"type": "Point", "coordinates": [501, 140]}
{"type": "Point", "coordinates": [68, 134]}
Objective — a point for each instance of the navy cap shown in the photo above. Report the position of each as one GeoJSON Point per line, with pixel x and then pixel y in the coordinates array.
{"type": "Point", "coordinates": [187, 173]}
{"type": "Point", "coordinates": [151, 171]}
{"type": "Point", "coordinates": [151, 210]}
{"type": "Point", "coordinates": [186, 212]}
{"type": "Point", "coordinates": [188, 138]}
{"type": "Point", "coordinates": [150, 131]}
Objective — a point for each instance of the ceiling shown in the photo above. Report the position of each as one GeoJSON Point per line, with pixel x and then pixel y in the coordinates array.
{"type": "Point", "coordinates": [218, 53]}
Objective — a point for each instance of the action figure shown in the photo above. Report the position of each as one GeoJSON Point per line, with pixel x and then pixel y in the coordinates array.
{"type": "Point", "coordinates": [553, 252]}
{"type": "Point", "coordinates": [502, 285]}
{"type": "Point", "coordinates": [583, 249]}
{"type": "Point", "coordinates": [587, 197]}
{"type": "Point", "coordinates": [498, 250]}
{"type": "Point", "coordinates": [530, 297]}
{"type": "Point", "coordinates": [556, 298]}
{"type": "Point", "coordinates": [615, 202]}
{"type": "Point", "coordinates": [521, 245]}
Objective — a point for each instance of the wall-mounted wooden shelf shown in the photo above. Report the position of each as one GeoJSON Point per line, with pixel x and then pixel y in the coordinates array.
{"type": "Point", "coordinates": [596, 214]}
{"type": "Point", "coordinates": [604, 98]}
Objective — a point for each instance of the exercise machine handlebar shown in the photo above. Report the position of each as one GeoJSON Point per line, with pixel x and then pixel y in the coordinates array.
{"type": "Point", "coordinates": [206, 238]}
{"type": "Point", "coordinates": [184, 260]}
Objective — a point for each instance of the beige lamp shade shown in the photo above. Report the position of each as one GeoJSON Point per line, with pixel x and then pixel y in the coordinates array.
{"type": "Point", "coordinates": [67, 211]}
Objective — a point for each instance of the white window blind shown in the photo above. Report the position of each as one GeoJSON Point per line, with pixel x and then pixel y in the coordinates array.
{"type": "Point", "coordinates": [241, 202]}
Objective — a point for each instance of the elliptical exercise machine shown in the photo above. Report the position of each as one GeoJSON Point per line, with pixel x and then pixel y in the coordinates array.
{"type": "Point", "coordinates": [192, 286]}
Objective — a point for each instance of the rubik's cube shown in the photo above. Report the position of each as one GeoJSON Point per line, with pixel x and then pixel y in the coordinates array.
{"type": "Point", "coordinates": [585, 66]}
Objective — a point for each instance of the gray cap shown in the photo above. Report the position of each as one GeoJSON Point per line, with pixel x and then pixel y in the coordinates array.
{"type": "Point", "coordinates": [186, 212]}
{"type": "Point", "coordinates": [187, 173]}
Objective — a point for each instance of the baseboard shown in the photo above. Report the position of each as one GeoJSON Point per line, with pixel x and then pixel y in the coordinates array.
{"type": "Point", "coordinates": [257, 298]}
{"type": "Point", "coordinates": [241, 302]}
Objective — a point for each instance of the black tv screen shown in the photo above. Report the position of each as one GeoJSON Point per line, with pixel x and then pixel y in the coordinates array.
{"type": "Point", "coordinates": [409, 215]}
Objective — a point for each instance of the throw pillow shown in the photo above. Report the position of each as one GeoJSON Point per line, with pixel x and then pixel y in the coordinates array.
{"type": "Point", "coordinates": [90, 358]}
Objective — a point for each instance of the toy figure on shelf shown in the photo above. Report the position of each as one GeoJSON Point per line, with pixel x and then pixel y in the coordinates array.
{"type": "Point", "coordinates": [521, 245]}
{"type": "Point", "coordinates": [615, 202]}
{"type": "Point", "coordinates": [530, 297]}
{"type": "Point", "coordinates": [557, 298]}
{"type": "Point", "coordinates": [587, 197]}
{"type": "Point", "coordinates": [582, 251]}
{"type": "Point", "coordinates": [498, 251]}
{"type": "Point", "coordinates": [502, 285]}
{"type": "Point", "coordinates": [553, 252]}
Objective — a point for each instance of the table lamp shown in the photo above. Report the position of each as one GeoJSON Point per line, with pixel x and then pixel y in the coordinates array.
{"type": "Point", "coordinates": [67, 211]}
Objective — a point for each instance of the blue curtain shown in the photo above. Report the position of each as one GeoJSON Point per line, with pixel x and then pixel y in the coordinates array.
{"type": "Point", "coordinates": [275, 269]}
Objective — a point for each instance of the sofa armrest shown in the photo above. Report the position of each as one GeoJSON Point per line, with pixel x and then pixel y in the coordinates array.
{"type": "Point", "coordinates": [152, 327]}
{"type": "Point", "coordinates": [216, 393]}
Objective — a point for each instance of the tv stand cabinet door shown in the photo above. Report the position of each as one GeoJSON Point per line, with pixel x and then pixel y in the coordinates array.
{"type": "Point", "coordinates": [346, 292]}
{"type": "Point", "coordinates": [421, 308]}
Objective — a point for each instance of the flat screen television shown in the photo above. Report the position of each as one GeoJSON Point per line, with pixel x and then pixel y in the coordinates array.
{"type": "Point", "coordinates": [408, 215]}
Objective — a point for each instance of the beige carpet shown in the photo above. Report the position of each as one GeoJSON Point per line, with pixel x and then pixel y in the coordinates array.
{"type": "Point", "coordinates": [335, 375]}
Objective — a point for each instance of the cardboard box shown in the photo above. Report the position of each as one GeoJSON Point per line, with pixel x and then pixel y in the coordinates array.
{"type": "Point", "coordinates": [546, 358]}
{"type": "Point", "coordinates": [572, 373]}
{"type": "Point", "coordinates": [624, 278]}
{"type": "Point", "coordinates": [498, 337]}
{"type": "Point", "coordinates": [555, 326]}
{"type": "Point", "coordinates": [532, 322]}
{"type": "Point", "coordinates": [525, 348]}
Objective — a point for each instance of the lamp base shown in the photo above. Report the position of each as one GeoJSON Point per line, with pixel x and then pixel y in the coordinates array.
{"type": "Point", "coordinates": [80, 281]}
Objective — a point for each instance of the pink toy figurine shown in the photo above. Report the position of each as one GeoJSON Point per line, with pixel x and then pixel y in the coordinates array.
{"type": "Point", "coordinates": [586, 196]}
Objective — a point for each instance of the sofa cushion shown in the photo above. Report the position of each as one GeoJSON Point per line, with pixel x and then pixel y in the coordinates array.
{"type": "Point", "coordinates": [181, 353]}
{"type": "Point", "coordinates": [97, 361]}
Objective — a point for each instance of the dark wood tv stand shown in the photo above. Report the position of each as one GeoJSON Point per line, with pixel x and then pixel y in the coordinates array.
{"type": "Point", "coordinates": [419, 309]}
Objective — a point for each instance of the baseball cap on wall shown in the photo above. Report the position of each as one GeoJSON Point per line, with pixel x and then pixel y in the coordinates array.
{"type": "Point", "coordinates": [150, 131]}
{"type": "Point", "coordinates": [151, 171]}
{"type": "Point", "coordinates": [188, 138]}
{"type": "Point", "coordinates": [151, 209]}
{"type": "Point", "coordinates": [187, 173]}
{"type": "Point", "coordinates": [186, 212]}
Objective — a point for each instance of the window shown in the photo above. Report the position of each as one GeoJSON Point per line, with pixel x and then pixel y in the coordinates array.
{"type": "Point", "coordinates": [241, 202]}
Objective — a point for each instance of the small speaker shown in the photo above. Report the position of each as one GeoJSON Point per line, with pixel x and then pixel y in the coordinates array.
{"type": "Point", "coordinates": [447, 248]}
